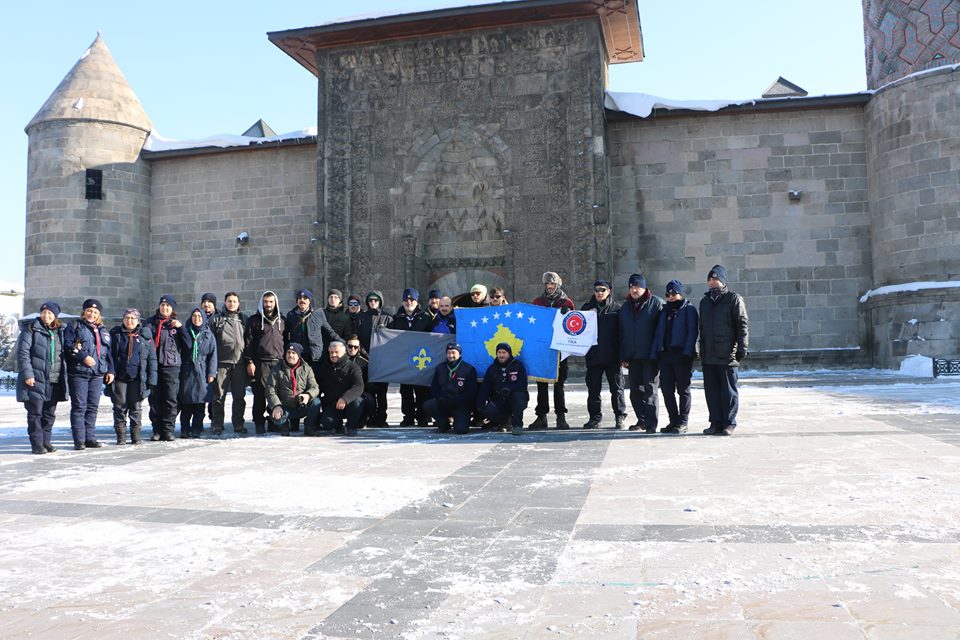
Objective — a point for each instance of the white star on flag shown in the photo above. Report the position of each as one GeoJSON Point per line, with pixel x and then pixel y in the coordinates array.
{"type": "Point", "coordinates": [532, 319]}
{"type": "Point", "coordinates": [473, 324]}
{"type": "Point", "coordinates": [506, 314]}
{"type": "Point", "coordinates": [519, 315]}
{"type": "Point", "coordinates": [496, 316]}
{"type": "Point", "coordinates": [484, 318]}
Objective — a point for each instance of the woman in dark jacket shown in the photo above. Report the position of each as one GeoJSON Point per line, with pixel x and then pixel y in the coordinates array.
{"type": "Point", "coordinates": [164, 407]}
{"type": "Point", "coordinates": [367, 323]}
{"type": "Point", "coordinates": [197, 373]}
{"type": "Point", "coordinates": [86, 344]}
{"type": "Point", "coordinates": [42, 377]}
{"type": "Point", "coordinates": [136, 374]}
{"type": "Point", "coordinates": [674, 345]}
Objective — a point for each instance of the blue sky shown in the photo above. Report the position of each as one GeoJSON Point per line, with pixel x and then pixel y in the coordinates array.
{"type": "Point", "coordinates": [204, 68]}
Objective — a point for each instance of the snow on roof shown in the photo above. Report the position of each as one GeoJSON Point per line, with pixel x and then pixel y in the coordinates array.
{"type": "Point", "coordinates": [156, 142]}
{"type": "Point", "coordinates": [909, 286]}
{"type": "Point", "coordinates": [389, 13]}
{"type": "Point", "coordinates": [643, 104]}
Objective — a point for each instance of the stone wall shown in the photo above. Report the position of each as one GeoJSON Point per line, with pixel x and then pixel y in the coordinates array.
{"type": "Point", "coordinates": [78, 248]}
{"type": "Point", "coordinates": [201, 204]}
{"type": "Point", "coordinates": [463, 158]}
{"type": "Point", "coordinates": [692, 191]}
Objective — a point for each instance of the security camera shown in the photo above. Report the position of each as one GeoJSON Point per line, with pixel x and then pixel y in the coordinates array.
{"type": "Point", "coordinates": [243, 238]}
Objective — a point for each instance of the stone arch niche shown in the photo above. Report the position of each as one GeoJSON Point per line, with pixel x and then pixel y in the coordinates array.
{"type": "Point", "coordinates": [452, 209]}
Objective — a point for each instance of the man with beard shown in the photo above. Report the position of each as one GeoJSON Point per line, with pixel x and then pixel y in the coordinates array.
{"type": "Point", "coordinates": [638, 319]}
{"type": "Point", "coordinates": [454, 392]}
{"type": "Point", "coordinates": [342, 383]}
{"type": "Point", "coordinates": [446, 319]}
{"type": "Point", "coordinates": [361, 358]}
{"type": "Point", "coordinates": [292, 393]}
{"type": "Point", "coordinates": [263, 349]}
{"type": "Point", "coordinates": [411, 317]}
{"type": "Point", "coordinates": [367, 324]}
{"type": "Point", "coordinates": [553, 297]}
{"type": "Point", "coordinates": [503, 396]}
{"type": "Point", "coordinates": [433, 303]}
{"type": "Point", "coordinates": [603, 359]}
{"type": "Point", "coordinates": [228, 328]}
{"type": "Point", "coordinates": [337, 317]}
{"type": "Point", "coordinates": [309, 328]}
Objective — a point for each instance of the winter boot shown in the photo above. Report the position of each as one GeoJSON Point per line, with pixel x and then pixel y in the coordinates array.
{"type": "Point", "coordinates": [121, 431]}
{"type": "Point", "coordinates": [134, 435]}
{"type": "Point", "coordinates": [539, 423]}
{"type": "Point", "coordinates": [619, 423]}
{"type": "Point", "coordinates": [592, 423]}
{"type": "Point", "coordinates": [562, 421]}
{"type": "Point", "coordinates": [518, 430]}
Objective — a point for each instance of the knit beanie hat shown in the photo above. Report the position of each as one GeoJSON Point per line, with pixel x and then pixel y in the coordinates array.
{"type": "Point", "coordinates": [304, 293]}
{"type": "Point", "coordinates": [506, 347]}
{"type": "Point", "coordinates": [335, 292]}
{"type": "Point", "coordinates": [51, 306]}
{"type": "Point", "coordinates": [92, 303]}
{"type": "Point", "coordinates": [208, 297]}
{"type": "Point", "coordinates": [411, 294]}
{"type": "Point", "coordinates": [551, 276]}
{"type": "Point", "coordinates": [675, 286]}
{"type": "Point", "coordinates": [169, 299]}
{"type": "Point", "coordinates": [295, 346]}
{"type": "Point", "coordinates": [719, 272]}
{"type": "Point", "coordinates": [454, 346]}
{"type": "Point", "coordinates": [637, 280]}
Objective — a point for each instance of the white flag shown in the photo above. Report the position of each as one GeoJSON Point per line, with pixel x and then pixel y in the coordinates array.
{"type": "Point", "coordinates": [574, 332]}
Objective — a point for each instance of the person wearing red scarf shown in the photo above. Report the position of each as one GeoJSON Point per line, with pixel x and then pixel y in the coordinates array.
{"type": "Point", "coordinates": [89, 366]}
{"type": "Point", "coordinates": [292, 393]}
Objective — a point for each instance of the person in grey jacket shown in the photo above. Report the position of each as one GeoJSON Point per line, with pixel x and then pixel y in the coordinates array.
{"type": "Point", "coordinates": [228, 328]}
{"type": "Point", "coordinates": [638, 322]}
{"type": "Point", "coordinates": [42, 375]}
{"type": "Point", "coordinates": [724, 340]}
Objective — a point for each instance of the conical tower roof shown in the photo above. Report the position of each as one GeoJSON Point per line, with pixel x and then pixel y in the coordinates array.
{"type": "Point", "coordinates": [94, 89]}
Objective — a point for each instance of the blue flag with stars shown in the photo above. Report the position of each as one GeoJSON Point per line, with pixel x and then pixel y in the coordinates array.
{"type": "Point", "coordinates": [527, 328]}
{"type": "Point", "coordinates": [406, 357]}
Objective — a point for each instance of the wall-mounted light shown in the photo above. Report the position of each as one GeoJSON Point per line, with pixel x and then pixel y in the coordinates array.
{"type": "Point", "coordinates": [243, 238]}
{"type": "Point", "coordinates": [794, 195]}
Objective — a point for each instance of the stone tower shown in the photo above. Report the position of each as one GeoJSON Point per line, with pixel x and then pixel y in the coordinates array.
{"type": "Point", "coordinates": [88, 191]}
{"type": "Point", "coordinates": [913, 155]}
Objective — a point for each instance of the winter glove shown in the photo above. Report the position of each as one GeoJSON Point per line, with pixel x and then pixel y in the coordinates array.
{"type": "Point", "coordinates": [741, 354]}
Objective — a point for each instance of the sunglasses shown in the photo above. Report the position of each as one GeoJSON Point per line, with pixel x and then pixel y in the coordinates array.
{"type": "Point", "coordinates": [353, 346]}
{"type": "Point", "coordinates": [353, 303]}
{"type": "Point", "coordinates": [601, 289]}
{"type": "Point", "coordinates": [495, 297]}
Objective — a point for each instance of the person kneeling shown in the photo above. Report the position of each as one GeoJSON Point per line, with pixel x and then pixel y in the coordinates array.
{"type": "Point", "coordinates": [454, 390]}
{"type": "Point", "coordinates": [292, 392]}
{"type": "Point", "coordinates": [503, 395]}
{"type": "Point", "coordinates": [342, 384]}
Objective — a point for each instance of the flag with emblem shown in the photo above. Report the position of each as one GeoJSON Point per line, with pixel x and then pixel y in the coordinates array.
{"type": "Point", "coordinates": [406, 357]}
{"type": "Point", "coordinates": [527, 328]}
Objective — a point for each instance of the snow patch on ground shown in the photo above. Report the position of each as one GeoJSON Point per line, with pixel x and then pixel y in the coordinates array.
{"type": "Point", "coordinates": [917, 366]}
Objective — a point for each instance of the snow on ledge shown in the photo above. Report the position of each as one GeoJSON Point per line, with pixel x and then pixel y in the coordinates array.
{"type": "Point", "coordinates": [643, 104]}
{"type": "Point", "coordinates": [156, 142]}
{"type": "Point", "coordinates": [909, 286]}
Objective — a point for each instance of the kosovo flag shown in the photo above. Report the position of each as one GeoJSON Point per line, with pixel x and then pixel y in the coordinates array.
{"type": "Point", "coordinates": [406, 357]}
{"type": "Point", "coordinates": [527, 328]}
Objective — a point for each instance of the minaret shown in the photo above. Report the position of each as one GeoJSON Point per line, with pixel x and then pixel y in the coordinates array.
{"type": "Point", "coordinates": [912, 126]}
{"type": "Point", "coordinates": [88, 191]}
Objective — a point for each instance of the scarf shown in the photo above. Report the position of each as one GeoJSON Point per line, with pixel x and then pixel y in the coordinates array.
{"type": "Point", "coordinates": [451, 371]}
{"type": "Point", "coordinates": [194, 350]}
{"type": "Point", "coordinates": [293, 375]}
{"type": "Point", "coordinates": [96, 336]}
{"type": "Point", "coordinates": [156, 338]}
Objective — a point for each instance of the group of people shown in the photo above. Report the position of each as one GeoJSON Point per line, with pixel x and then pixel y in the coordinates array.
{"type": "Point", "coordinates": [310, 365]}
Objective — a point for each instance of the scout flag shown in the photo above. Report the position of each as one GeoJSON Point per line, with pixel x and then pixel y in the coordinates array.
{"type": "Point", "coordinates": [406, 357]}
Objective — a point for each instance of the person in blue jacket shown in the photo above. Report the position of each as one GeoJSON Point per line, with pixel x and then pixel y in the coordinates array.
{"type": "Point", "coordinates": [89, 366]}
{"type": "Point", "coordinates": [675, 345]}
{"type": "Point", "coordinates": [42, 377]}
{"type": "Point", "coordinates": [198, 370]}
{"type": "Point", "coordinates": [637, 322]}
{"type": "Point", "coordinates": [135, 362]}
{"type": "Point", "coordinates": [164, 406]}
{"type": "Point", "coordinates": [503, 395]}
{"type": "Point", "coordinates": [454, 391]}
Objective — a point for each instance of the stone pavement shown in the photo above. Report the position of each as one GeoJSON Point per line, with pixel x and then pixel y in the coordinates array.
{"type": "Point", "coordinates": [829, 515]}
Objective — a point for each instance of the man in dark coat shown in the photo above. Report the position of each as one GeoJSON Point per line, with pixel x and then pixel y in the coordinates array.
{"type": "Point", "coordinates": [361, 358]}
{"type": "Point", "coordinates": [724, 340]}
{"type": "Point", "coordinates": [638, 322]}
{"type": "Point", "coordinates": [367, 324]}
{"type": "Point", "coordinates": [553, 297]}
{"type": "Point", "coordinates": [338, 318]}
{"type": "Point", "coordinates": [292, 393]}
{"type": "Point", "coordinates": [42, 375]}
{"type": "Point", "coordinates": [228, 328]}
{"type": "Point", "coordinates": [674, 346]}
{"type": "Point", "coordinates": [412, 317]}
{"type": "Point", "coordinates": [164, 402]}
{"type": "Point", "coordinates": [454, 392]}
{"type": "Point", "coordinates": [263, 349]}
{"type": "Point", "coordinates": [503, 395]}
{"type": "Point", "coordinates": [342, 384]}
{"type": "Point", "coordinates": [603, 359]}
{"type": "Point", "coordinates": [308, 327]}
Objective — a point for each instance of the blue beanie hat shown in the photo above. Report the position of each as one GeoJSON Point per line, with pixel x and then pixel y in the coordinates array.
{"type": "Point", "coordinates": [675, 286]}
{"type": "Point", "coordinates": [169, 299]}
{"type": "Point", "coordinates": [411, 293]}
{"type": "Point", "coordinates": [637, 280]}
{"type": "Point", "coordinates": [208, 297]}
{"type": "Point", "coordinates": [295, 346]}
{"type": "Point", "coordinates": [92, 303]}
{"type": "Point", "coordinates": [719, 272]}
{"type": "Point", "coordinates": [52, 306]}
{"type": "Point", "coordinates": [603, 283]}
{"type": "Point", "coordinates": [454, 346]}
{"type": "Point", "coordinates": [304, 293]}
{"type": "Point", "coordinates": [506, 347]}
{"type": "Point", "coordinates": [434, 293]}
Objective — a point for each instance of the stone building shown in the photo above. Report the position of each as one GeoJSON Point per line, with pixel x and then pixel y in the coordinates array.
{"type": "Point", "coordinates": [479, 144]}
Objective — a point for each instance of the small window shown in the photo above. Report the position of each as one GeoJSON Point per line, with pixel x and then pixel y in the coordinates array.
{"type": "Point", "coordinates": [94, 184]}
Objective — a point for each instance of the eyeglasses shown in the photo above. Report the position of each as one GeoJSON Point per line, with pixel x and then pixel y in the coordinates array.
{"type": "Point", "coordinates": [353, 303]}
{"type": "Point", "coordinates": [353, 346]}
{"type": "Point", "coordinates": [601, 289]}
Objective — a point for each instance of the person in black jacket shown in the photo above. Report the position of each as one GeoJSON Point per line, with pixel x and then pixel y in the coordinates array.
{"type": "Point", "coordinates": [263, 349]}
{"type": "Point", "coordinates": [228, 328]}
{"type": "Point", "coordinates": [674, 345]}
{"type": "Point", "coordinates": [164, 405]}
{"type": "Point", "coordinates": [135, 361]}
{"type": "Point", "coordinates": [42, 375]}
{"type": "Point", "coordinates": [337, 317]}
{"type": "Point", "coordinates": [341, 383]}
{"type": "Point", "coordinates": [603, 359]}
{"type": "Point", "coordinates": [197, 373]}
{"type": "Point", "coordinates": [308, 327]}
{"type": "Point", "coordinates": [361, 358]}
{"type": "Point", "coordinates": [412, 317]}
{"type": "Point", "coordinates": [638, 322]}
{"type": "Point", "coordinates": [368, 322]}
{"type": "Point", "coordinates": [724, 340]}
{"type": "Point", "coordinates": [89, 366]}
{"type": "Point", "coordinates": [454, 392]}
{"type": "Point", "coordinates": [503, 395]}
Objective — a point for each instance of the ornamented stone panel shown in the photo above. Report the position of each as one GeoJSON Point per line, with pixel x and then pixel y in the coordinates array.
{"type": "Point", "coordinates": [905, 36]}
